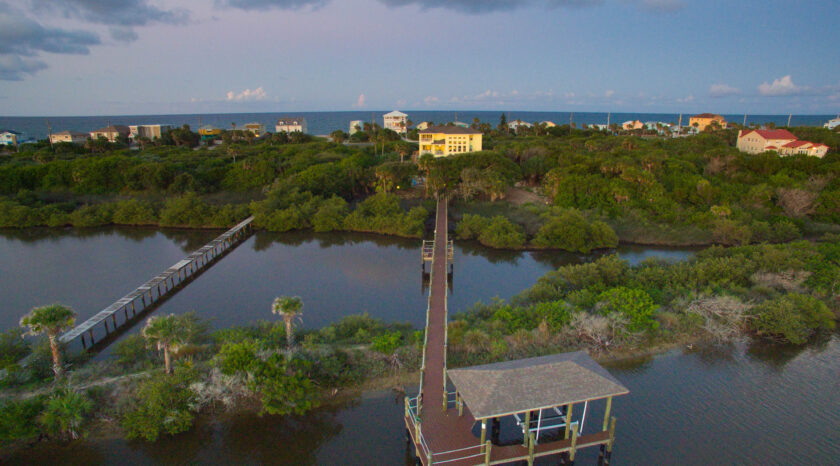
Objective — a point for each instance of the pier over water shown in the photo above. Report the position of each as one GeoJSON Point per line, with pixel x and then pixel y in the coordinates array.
{"type": "Point", "coordinates": [146, 296]}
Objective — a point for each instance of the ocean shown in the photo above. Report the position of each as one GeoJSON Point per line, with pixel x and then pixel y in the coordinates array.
{"type": "Point", "coordinates": [326, 122]}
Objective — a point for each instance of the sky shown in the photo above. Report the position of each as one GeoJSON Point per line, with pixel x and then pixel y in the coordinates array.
{"type": "Point", "coordinates": [101, 57]}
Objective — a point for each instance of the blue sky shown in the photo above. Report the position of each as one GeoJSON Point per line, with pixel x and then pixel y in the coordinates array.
{"type": "Point", "coordinates": [95, 57]}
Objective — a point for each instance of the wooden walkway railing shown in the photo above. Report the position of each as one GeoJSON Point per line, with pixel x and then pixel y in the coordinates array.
{"type": "Point", "coordinates": [149, 293]}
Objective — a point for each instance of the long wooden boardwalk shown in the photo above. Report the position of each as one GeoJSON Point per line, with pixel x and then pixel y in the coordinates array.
{"type": "Point", "coordinates": [146, 295]}
{"type": "Point", "coordinates": [440, 428]}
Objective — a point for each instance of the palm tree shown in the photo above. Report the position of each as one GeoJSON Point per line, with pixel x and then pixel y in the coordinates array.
{"type": "Point", "coordinates": [290, 308]}
{"type": "Point", "coordinates": [51, 320]}
{"type": "Point", "coordinates": [425, 163]}
{"type": "Point", "coordinates": [168, 333]}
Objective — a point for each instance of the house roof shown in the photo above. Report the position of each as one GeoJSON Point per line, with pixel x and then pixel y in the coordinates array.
{"type": "Point", "coordinates": [795, 144]}
{"type": "Point", "coordinates": [70, 133]}
{"type": "Point", "coordinates": [510, 387]}
{"type": "Point", "coordinates": [395, 113]}
{"type": "Point", "coordinates": [708, 115]}
{"type": "Point", "coordinates": [291, 121]}
{"type": "Point", "coordinates": [113, 129]}
{"type": "Point", "coordinates": [448, 130]}
{"type": "Point", "coordinates": [9, 131]}
{"type": "Point", "coordinates": [771, 133]}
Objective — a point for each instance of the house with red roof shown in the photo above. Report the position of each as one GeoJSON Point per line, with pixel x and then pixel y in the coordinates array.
{"type": "Point", "coordinates": [756, 141]}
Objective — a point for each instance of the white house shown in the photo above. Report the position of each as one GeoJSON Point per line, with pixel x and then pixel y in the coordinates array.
{"type": "Point", "coordinates": [832, 123]}
{"type": "Point", "coordinates": [73, 137]}
{"type": "Point", "coordinates": [395, 121]}
{"type": "Point", "coordinates": [290, 125]}
{"type": "Point", "coordinates": [147, 131]}
{"type": "Point", "coordinates": [515, 124]}
{"type": "Point", "coordinates": [356, 126]}
{"type": "Point", "coordinates": [423, 125]}
{"type": "Point", "coordinates": [9, 137]}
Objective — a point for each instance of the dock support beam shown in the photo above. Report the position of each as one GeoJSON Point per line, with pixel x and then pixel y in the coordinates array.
{"type": "Point", "coordinates": [568, 419]}
{"type": "Point", "coordinates": [573, 449]}
{"type": "Point", "coordinates": [526, 429]}
{"type": "Point", "coordinates": [610, 442]}
{"type": "Point", "coordinates": [487, 447]}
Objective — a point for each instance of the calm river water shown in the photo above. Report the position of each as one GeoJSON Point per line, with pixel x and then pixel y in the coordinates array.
{"type": "Point", "coordinates": [734, 405]}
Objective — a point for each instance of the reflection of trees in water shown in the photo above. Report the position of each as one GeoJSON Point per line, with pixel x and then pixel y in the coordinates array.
{"type": "Point", "coordinates": [48, 452]}
{"type": "Point", "coordinates": [265, 239]}
{"type": "Point", "coordinates": [494, 256]}
{"type": "Point", "coordinates": [777, 356]}
{"type": "Point", "coordinates": [175, 449]}
{"type": "Point", "coordinates": [639, 364]}
{"type": "Point", "coordinates": [189, 240]}
{"type": "Point", "coordinates": [712, 354]}
{"type": "Point", "coordinates": [281, 439]}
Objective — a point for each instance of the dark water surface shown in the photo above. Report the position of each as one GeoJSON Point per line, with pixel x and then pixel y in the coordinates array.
{"type": "Point", "coordinates": [336, 274]}
{"type": "Point", "coordinates": [733, 405]}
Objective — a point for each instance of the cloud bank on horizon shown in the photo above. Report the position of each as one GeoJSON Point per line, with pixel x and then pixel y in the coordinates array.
{"type": "Point", "coordinates": [596, 55]}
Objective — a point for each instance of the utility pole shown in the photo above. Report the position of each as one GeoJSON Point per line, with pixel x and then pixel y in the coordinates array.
{"type": "Point", "coordinates": [745, 120]}
{"type": "Point", "coordinates": [608, 120]}
{"type": "Point", "coordinates": [49, 131]}
{"type": "Point", "coordinates": [571, 114]}
{"type": "Point", "coordinates": [789, 117]}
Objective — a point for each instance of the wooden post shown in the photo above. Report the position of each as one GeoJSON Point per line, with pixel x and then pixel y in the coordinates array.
{"type": "Point", "coordinates": [487, 447]}
{"type": "Point", "coordinates": [483, 430]}
{"type": "Point", "coordinates": [106, 326]}
{"type": "Point", "coordinates": [90, 335]}
{"type": "Point", "coordinates": [611, 441]}
{"type": "Point", "coordinates": [133, 308]}
{"type": "Point", "coordinates": [460, 402]}
{"type": "Point", "coordinates": [526, 429]}
{"type": "Point", "coordinates": [125, 311]}
{"type": "Point", "coordinates": [114, 320]}
{"type": "Point", "coordinates": [607, 413]}
{"type": "Point", "coordinates": [407, 412]}
{"type": "Point", "coordinates": [143, 297]}
{"type": "Point", "coordinates": [531, 442]}
{"type": "Point", "coordinates": [573, 447]}
{"type": "Point", "coordinates": [83, 341]}
{"type": "Point", "coordinates": [568, 419]}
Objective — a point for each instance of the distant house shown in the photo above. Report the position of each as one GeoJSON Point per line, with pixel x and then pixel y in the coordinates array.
{"type": "Point", "coordinates": [209, 133]}
{"type": "Point", "coordinates": [632, 124]}
{"type": "Point", "coordinates": [832, 123]}
{"type": "Point", "coordinates": [442, 141]}
{"type": "Point", "coordinates": [9, 137]}
{"type": "Point", "coordinates": [111, 133]}
{"type": "Point", "coordinates": [423, 125]}
{"type": "Point", "coordinates": [395, 121]}
{"type": "Point", "coordinates": [72, 137]}
{"type": "Point", "coordinates": [460, 124]}
{"type": "Point", "coordinates": [258, 129]}
{"type": "Point", "coordinates": [147, 131]}
{"type": "Point", "coordinates": [804, 148]}
{"type": "Point", "coordinates": [705, 119]}
{"type": "Point", "coordinates": [290, 125]}
{"type": "Point", "coordinates": [548, 124]}
{"type": "Point", "coordinates": [756, 141]}
{"type": "Point", "coordinates": [515, 124]}
{"type": "Point", "coordinates": [658, 126]}
{"type": "Point", "coordinates": [356, 126]}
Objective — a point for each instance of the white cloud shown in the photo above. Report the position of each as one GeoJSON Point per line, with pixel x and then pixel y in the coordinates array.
{"type": "Point", "coordinates": [722, 90]}
{"type": "Point", "coordinates": [687, 99]}
{"type": "Point", "coordinates": [609, 93]}
{"type": "Point", "coordinates": [360, 102]}
{"type": "Point", "coordinates": [430, 100]}
{"type": "Point", "coordinates": [247, 94]}
{"type": "Point", "coordinates": [781, 86]}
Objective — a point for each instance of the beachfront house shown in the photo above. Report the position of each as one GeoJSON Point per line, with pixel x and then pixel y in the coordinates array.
{"type": "Point", "coordinates": [395, 121]}
{"type": "Point", "coordinates": [423, 125]}
{"type": "Point", "coordinates": [832, 123]}
{"type": "Point", "coordinates": [442, 141]}
{"type": "Point", "coordinates": [258, 129]}
{"type": "Point", "coordinates": [9, 137]}
{"type": "Point", "coordinates": [72, 137]}
{"type": "Point", "coordinates": [292, 124]}
{"type": "Point", "coordinates": [803, 148]}
{"type": "Point", "coordinates": [151, 132]}
{"type": "Point", "coordinates": [548, 124]}
{"type": "Point", "coordinates": [356, 126]}
{"type": "Point", "coordinates": [111, 133]}
{"type": "Point", "coordinates": [704, 120]}
{"type": "Point", "coordinates": [632, 124]}
{"type": "Point", "coordinates": [209, 133]}
{"type": "Point", "coordinates": [516, 124]}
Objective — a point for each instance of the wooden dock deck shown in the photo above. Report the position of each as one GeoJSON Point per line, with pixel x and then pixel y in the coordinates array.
{"type": "Point", "coordinates": [439, 427]}
{"type": "Point", "coordinates": [146, 295]}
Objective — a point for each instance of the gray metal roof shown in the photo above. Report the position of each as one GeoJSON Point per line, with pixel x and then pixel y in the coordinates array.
{"type": "Point", "coordinates": [509, 387]}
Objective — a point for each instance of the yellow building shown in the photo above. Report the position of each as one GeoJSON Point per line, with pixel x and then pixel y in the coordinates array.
{"type": "Point", "coordinates": [705, 119]}
{"type": "Point", "coordinates": [442, 141]}
{"type": "Point", "coordinates": [208, 132]}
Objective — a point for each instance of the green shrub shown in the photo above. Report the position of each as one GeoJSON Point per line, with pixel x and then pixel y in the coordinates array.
{"type": "Point", "coordinates": [18, 419]}
{"type": "Point", "coordinates": [13, 347]}
{"type": "Point", "coordinates": [470, 226]}
{"type": "Point", "coordinates": [330, 215]}
{"type": "Point", "coordinates": [501, 233]}
{"type": "Point", "coordinates": [162, 405]}
{"type": "Point", "coordinates": [792, 318]}
{"type": "Point", "coordinates": [135, 212]}
{"type": "Point", "coordinates": [569, 230]}
{"type": "Point", "coordinates": [634, 305]}
{"type": "Point", "coordinates": [387, 342]}
{"type": "Point", "coordinates": [65, 414]}
{"type": "Point", "coordinates": [132, 351]}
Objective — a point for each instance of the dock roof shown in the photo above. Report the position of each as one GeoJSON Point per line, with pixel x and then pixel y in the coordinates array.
{"type": "Point", "coordinates": [510, 387]}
